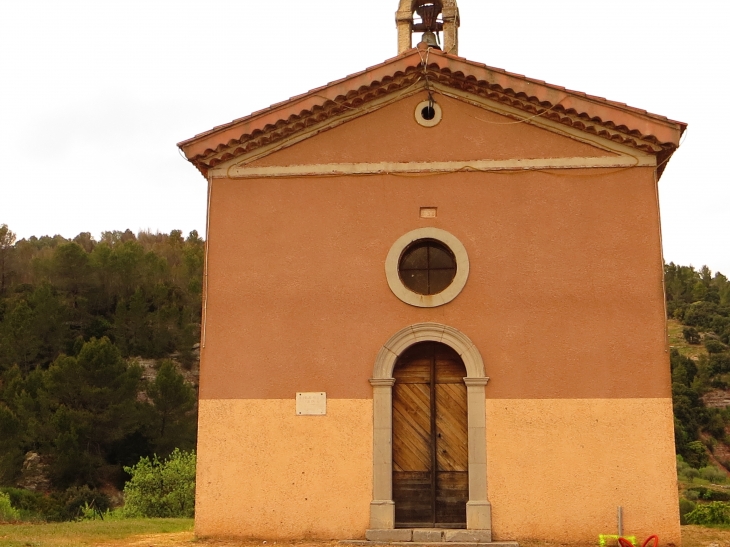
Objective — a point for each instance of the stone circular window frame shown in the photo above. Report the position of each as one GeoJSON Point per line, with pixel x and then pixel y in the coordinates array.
{"type": "Point", "coordinates": [427, 300]}
{"type": "Point", "coordinates": [423, 121]}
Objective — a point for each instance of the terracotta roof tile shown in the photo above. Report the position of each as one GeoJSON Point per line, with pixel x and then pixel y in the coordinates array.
{"type": "Point", "coordinates": [596, 115]}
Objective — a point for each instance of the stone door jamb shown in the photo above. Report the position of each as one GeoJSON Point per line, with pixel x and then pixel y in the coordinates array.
{"type": "Point", "coordinates": [382, 508]}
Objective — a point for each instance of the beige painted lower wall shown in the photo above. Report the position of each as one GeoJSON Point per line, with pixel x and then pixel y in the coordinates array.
{"type": "Point", "coordinates": [265, 472]}
{"type": "Point", "coordinates": [558, 468]}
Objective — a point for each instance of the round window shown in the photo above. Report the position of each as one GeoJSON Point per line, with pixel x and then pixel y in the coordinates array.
{"type": "Point", "coordinates": [427, 266]}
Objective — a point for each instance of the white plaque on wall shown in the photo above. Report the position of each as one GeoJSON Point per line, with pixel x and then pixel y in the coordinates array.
{"type": "Point", "coordinates": [312, 403]}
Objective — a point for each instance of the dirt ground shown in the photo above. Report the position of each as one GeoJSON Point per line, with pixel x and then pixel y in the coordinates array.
{"type": "Point", "coordinates": [187, 539]}
{"type": "Point", "coordinates": [692, 536]}
{"type": "Point", "coordinates": [699, 536]}
{"type": "Point", "coordinates": [99, 536]}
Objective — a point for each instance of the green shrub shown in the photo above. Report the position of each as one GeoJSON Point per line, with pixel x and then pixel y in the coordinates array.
{"type": "Point", "coordinates": [675, 310]}
{"type": "Point", "coordinates": [718, 383]}
{"type": "Point", "coordinates": [75, 499]}
{"type": "Point", "coordinates": [32, 505]}
{"type": "Point", "coordinates": [715, 425]}
{"type": "Point", "coordinates": [59, 506]}
{"type": "Point", "coordinates": [715, 512]}
{"type": "Point", "coordinates": [691, 335]}
{"type": "Point", "coordinates": [689, 473]}
{"type": "Point", "coordinates": [681, 465]}
{"type": "Point", "coordinates": [706, 494]}
{"type": "Point", "coordinates": [7, 512]}
{"type": "Point", "coordinates": [700, 314]}
{"type": "Point", "coordinates": [161, 488]}
{"type": "Point", "coordinates": [696, 455]}
{"type": "Point", "coordinates": [89, 512]}
{"type": "Point", "coordinates": [714, 346]}
{"type": "Point", "coordinates": [719, 363]}
{"type": "Point", "coordinates": [685, 506]}
{"type": "Point", "coordinates": [712, 474]}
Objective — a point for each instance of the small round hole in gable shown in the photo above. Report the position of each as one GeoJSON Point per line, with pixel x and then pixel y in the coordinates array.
{"type": "Point", "coordinates": [428, 113]}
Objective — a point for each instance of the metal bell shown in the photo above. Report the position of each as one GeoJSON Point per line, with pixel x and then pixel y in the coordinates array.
{"type": "Point", "coordinates": [429, 38]}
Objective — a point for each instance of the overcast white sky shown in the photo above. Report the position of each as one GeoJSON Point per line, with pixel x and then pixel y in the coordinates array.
{"type": "Point", "coordinates": [94, 95]}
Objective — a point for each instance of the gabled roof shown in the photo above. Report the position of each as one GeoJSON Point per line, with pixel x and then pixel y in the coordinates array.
{"type": "Point", "coordinates": [417, 68]}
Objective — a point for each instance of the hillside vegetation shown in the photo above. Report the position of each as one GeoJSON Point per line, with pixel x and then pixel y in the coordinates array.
{"type": "Point", "coordinates": [698, 305]}
{"type": "Point", "coordinates": [98, 345]}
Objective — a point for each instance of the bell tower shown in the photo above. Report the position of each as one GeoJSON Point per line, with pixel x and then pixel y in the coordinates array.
{"type": "Point", "coordinates": [431, 17]}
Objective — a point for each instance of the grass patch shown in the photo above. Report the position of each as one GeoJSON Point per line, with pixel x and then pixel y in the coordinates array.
{"type": "Point", "coordinates": [86, 533]}
{"type": "Point", "coordinates": [676, 340]}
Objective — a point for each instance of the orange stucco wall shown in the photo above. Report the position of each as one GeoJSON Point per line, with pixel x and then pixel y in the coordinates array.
{"type": "Point", "coordinates": [264, 472]}
{"type": "Point", "coordinates": [557, 469]}
{"type": "Point", "coordinates": [565, 282]}
{"type": "Point", "coordinates": [564, 301]}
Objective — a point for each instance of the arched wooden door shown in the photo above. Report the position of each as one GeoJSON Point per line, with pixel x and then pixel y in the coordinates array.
{"type": "Point", "coordinates": [430, 438]}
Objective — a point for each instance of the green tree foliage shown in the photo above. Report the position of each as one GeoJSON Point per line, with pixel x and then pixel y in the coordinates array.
{"type": "Point", "coordinates": [696, 455]}
{"type": "Point", "coordinates": [92, 403]}
{"type": "Point", "coordinates": [715, 346]}
{"type": "Point", "coordinates": [173, 399]}
{"type": "Point", "coordinates": [690, 414]}
{"type": "Point", "coordinates": [719, 363]}
{"type": "Point", "coordinates": [715, 512]}
{"type": "Point", "coordinates": [84, 414]}
{"type": "Point", "coordinates": [142, 292]}
{"type": "Point", "coordinates": [11, 455]}
{"type": "Point", "coordinates": [74, 316]}
{"type": "Point", "coordinates": [701, 301]}
{"type": "Point", "coordinates": [161, 488]}
{"type": "Point", "coordinates": [691, 335]}
{"type": "Point", "coordinates": [7, 239]}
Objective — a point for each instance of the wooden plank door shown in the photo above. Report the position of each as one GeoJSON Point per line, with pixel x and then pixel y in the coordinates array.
{"type": "Point", "coordinates": [452, 456]}
{"type": "Point", "coordinates": [430, 478]}
{"type": "Point", "coordinates": [413, 477]}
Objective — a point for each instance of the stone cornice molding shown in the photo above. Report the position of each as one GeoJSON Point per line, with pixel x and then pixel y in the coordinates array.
{"type": "Point", "coordinates": [476, 381]}
{"type": "Point", "coordinates": [379, 382]}
{"type": "Point", "coordinates": [387, 168]}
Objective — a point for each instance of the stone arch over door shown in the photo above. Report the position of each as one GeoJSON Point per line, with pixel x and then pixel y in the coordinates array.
{"type": "Point", "coordinates": [382, 508]}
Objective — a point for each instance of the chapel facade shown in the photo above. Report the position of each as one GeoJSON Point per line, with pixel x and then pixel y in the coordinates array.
{"type": "Point", "coordinates": [434, 309]}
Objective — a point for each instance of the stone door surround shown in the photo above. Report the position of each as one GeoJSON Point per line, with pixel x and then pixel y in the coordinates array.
{"type": "Point", "coordinates": [382, 508]}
